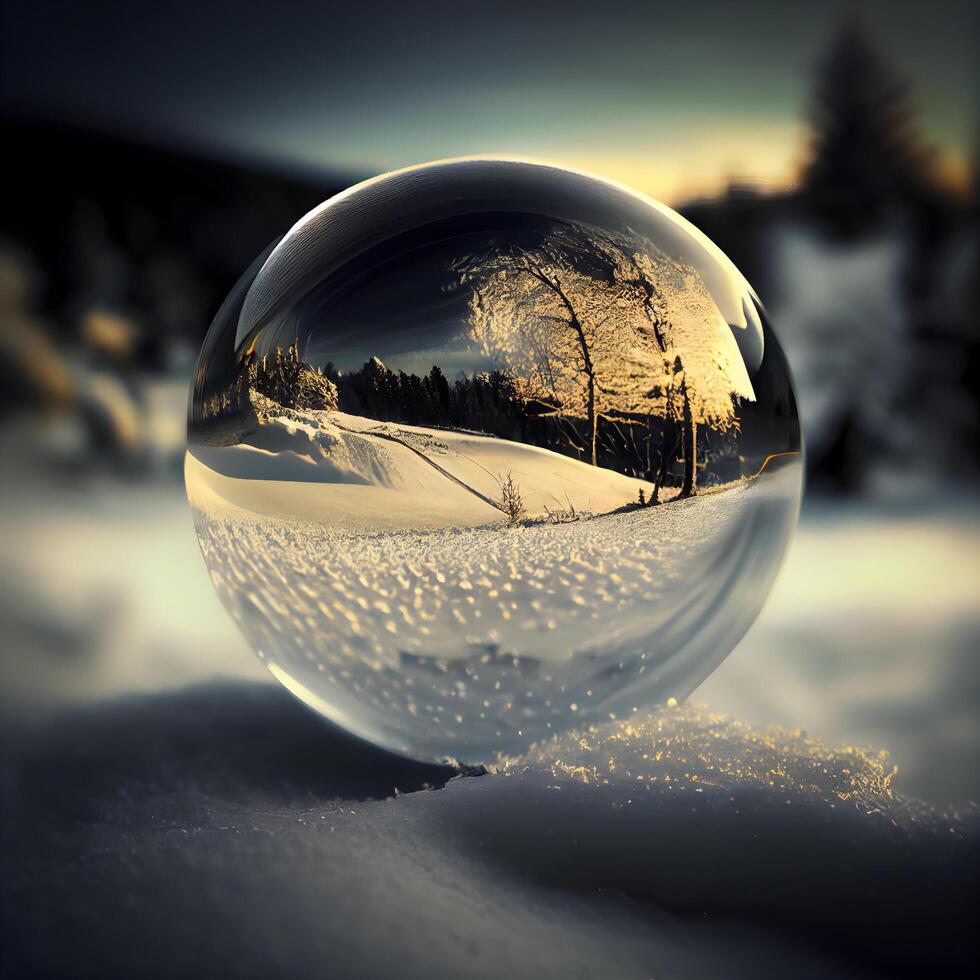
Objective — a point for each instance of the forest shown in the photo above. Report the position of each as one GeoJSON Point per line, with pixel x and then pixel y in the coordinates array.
{"type": "Point", "coordinates": [597, 346]}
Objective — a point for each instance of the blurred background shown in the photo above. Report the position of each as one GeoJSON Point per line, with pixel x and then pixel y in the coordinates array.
{"type": "Point", "coordinates": [151, 152]}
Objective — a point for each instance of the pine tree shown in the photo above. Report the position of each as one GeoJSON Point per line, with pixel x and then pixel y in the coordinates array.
{"type": "Point", "coordinates": [286, 379]}
{"type": "Point", "coordinates": [867, 158]}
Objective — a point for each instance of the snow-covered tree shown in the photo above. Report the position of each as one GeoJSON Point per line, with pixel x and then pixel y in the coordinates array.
{"type": "Point", "coordinates": [557, 320]}
{"type": "Point", "coordinates": [288, 380]}
{"type": "Point", "coordinates": [691, 365]}
{"type": "Point", "coordinates": [595, 326]}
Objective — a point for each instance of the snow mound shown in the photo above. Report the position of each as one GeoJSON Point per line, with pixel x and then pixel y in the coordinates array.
{"type": "Point", "coordinates": [690, 750]}
{"type": "Point", "coordinates": [231, 834]}
{"type": "Point", "coordinates": [437, 478]}
{"type": "Point", "coordinates": [301, 446]}
{"type": "Point", "coordinates": [546, 479]}
{"type": "Point", "coordinates": [703, 816]}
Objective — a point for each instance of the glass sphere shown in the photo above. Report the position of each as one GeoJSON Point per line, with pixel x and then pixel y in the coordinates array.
{"type": "Point", "coordinates": [482, 450]}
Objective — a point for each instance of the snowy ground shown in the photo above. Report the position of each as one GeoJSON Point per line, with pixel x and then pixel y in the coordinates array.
{"type": "Point", "coordinates": [459, 642]}
{"type": "Point", "coordinates": [347, 471]}
{"type": "Point", "coordinates": [219, 832]}
{"type": "Point", "coordinates": [870, 635]}
{"type": "Point", "coordinates": [169, 810]}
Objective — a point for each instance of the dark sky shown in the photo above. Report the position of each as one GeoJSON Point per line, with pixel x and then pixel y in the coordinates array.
{"type": "Point", "coordinates": [671, 98]}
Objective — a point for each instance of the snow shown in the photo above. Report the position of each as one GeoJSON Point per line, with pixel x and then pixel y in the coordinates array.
{"type": "Point", "coordinates": [457, 641]}
{"type": "Point", "coordinates": [406, 468]}
{"type": "Point", "coordinates": [159, 822]}
{"type": "Point", "coordinates": [230, 834]}
{"type": "Point", "coordinates": [871, 635]}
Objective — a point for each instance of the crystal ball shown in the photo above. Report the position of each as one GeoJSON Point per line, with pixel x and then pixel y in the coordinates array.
{"type": "Point", "coordinates": [482, 450]}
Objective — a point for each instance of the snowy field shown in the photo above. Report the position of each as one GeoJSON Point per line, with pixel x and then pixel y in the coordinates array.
{"type": "Point", "coordinates": [217, 828]}
{"type": "Point", "coordinates": [221, 832]}
{"type": "Point", "coordinates": [346, 471]}
{"type": "Point", "coordinates": [457, 641]}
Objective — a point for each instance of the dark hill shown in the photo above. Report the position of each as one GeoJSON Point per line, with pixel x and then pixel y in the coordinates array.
{"type": "Point", "coordinates": [156, 232]}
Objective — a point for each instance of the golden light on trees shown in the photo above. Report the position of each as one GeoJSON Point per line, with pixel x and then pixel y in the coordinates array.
{"type": "Point", "coordinates": [595, 326]}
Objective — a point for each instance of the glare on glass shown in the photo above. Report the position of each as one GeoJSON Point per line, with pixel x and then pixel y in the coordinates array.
{"type": "Point", "coordinates": [482, 450]}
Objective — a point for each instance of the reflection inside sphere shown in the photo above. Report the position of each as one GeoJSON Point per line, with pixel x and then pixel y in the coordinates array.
{"type": "Point", "coordinates": [481, 450]}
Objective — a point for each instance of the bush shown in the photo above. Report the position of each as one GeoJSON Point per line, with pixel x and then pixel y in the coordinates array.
{"type": "Point", "coordinates": [292, 383]}
{"type": "Point", "coordinates": [511, 500]}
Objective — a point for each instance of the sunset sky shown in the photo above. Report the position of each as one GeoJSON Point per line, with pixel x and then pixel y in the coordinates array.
{"type": "Point", "coordinates": [674, 99]}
